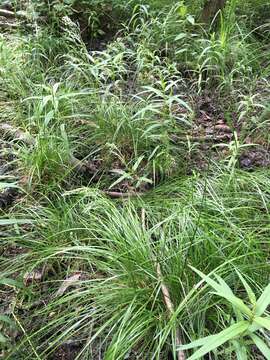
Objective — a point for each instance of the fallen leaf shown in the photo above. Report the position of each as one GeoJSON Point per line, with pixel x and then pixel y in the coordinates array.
{"type": "Point", "coordinates": [70, 281]}
{"type": "Point", "coordinates": [35, 275]}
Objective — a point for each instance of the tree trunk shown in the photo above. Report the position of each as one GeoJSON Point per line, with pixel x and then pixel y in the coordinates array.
{"type": "Point", "coordinates": [210, 9]}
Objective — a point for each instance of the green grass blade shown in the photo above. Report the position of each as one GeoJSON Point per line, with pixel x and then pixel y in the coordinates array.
{"type": "Point", "coordinates": [219, 339]}
{"type": "Point", "coordinates": [10, 282]}
{"type": "Point", "coordinates": [264, 349]}
{"type": "Point", "coordinates": [249, 291]}
{"type": "Point", "coordinates": [196, 343]}
{"type": "Point", "coordinates": [223, 290]}
{"type": "Point", "coordinates": [5, 222]}
{"type": "Point", "coordinates": [264, 322]}
{"type": "Point", "coordinates": [240, 350]}
{"type": "Point", "coordinates": [7, 185]}
{"type": "Point", "coordinates": [263, 301]}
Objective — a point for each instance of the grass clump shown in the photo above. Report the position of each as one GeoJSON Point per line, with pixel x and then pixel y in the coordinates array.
{"type": "Point", "coordinates": [116, 252]}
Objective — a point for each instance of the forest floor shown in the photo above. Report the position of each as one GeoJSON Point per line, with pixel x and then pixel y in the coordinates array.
{"type": "Point", "coordinates": [134, 182]}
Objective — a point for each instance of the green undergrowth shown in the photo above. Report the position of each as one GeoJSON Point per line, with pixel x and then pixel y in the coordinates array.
{"type": "Point", "coordinates": [124, 106]}
{"type": "Point", "coordinates": [123, 193]}
{"type": "Point", "coordinates": [214, 224]}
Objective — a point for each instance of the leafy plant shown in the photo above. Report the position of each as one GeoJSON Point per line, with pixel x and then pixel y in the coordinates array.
{"type": "Point", "coordinates": [234, 148]}
{"type": "Point", "coordinates": [249, 321]}
{"type": "Point", "coordinates": [132, 175]}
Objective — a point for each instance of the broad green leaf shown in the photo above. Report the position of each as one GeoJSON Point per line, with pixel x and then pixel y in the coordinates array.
{"type": "Point", "coordinates": [263, 302]}
{"type": "Point", "coordinates": [145, 179]}
{"type": "Point", "coordinates": [219, 339]}
{"type": "Point", "coordinates": [225, 287]}
{"type": "Point", "coordinates": [264, 349]}
{"type": "Point", "coordinates": [254, 327]}
{"type": "Point", "coordinates": [196, 343]}
{"type": "Point", "coordinates": [223, 290]}
{"type": "Point", "coordinates": [118, 171]}
{"type": "Point", "coordinates": [122, 178]}
{"type": "Point", "coordinates": [215, 285]}
{"type": "Point", "coordinates": [238, 314]}
{"type": "Point", "coordinates": [45, 100]}
{"type": "Point", "coordinates": [151, 128]}
{"type": "Point", "coordinates": [180, 36]}
{"type": "Point", "coordinates": [64, 133]}
{"type": "Point", "coordinates": [153, 90]}
{"type": "Point", "coordinates": [5, 222]}
{"type": "Point", "coordinates": [55, 88]}
{"type": "Point", "coordinates": [137, 163]}
{"type": "Point", "coordinates": [238, 303]}
{"type": "Point", "coordinates": [182, 102]}
{"type": "Point", "coordinates": [48, 117]}
{"type": "Point", "coordinates": [182, 9]}
{"type": "Point", "coordinates": [264, 322]}
{"type": "Point", "coordinates": [191, 19]}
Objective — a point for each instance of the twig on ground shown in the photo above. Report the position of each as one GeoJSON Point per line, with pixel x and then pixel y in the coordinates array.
{"type": "Point", "coordinates": [7, 13]}
{"type": "Point", "coordinates": [170, 308]}
{"type": "Point", "coordinates": [203, 138]}
{"type": "Point", "coordinates": [143, 219]}
{"type": "Point", "coordinates": [116, 194]}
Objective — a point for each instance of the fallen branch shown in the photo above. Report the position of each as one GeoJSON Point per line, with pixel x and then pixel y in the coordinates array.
{"type": "Point", "coordinates": [170, 308]}
{"type": "Point", "coordinates": [7, 13]}
{"type": "Point", "coordinates": [116, 194]}
{"type": "Point", "coordinates": [205, 138]}
{"type": "Point", "coordinates": [223, 128]}
{"type": "Point", "coordinates": [12, 14]}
